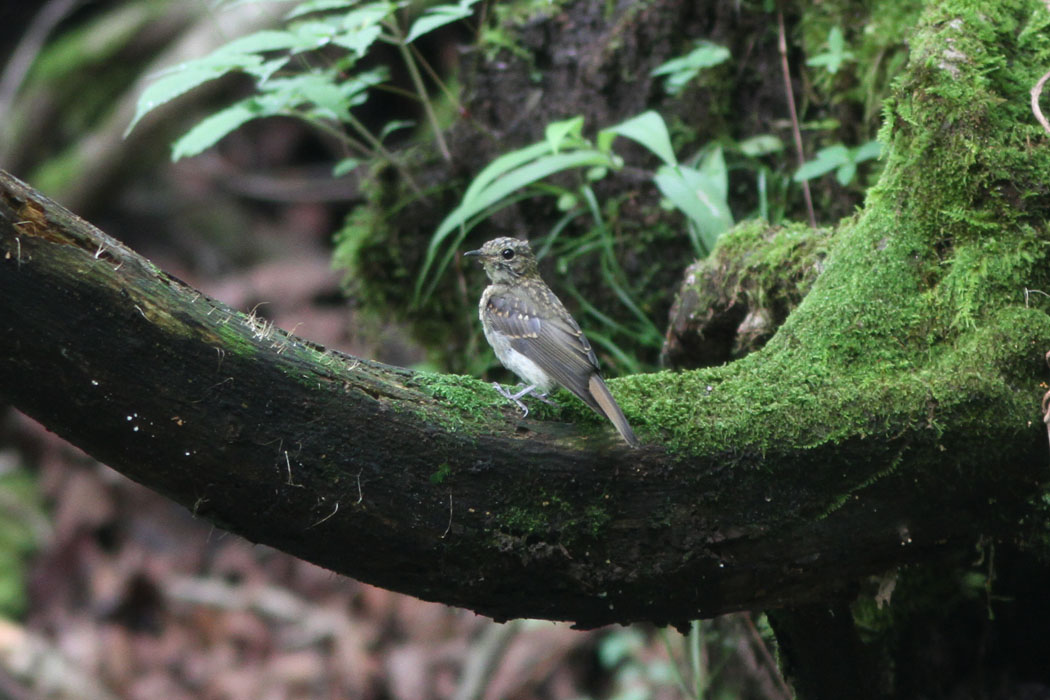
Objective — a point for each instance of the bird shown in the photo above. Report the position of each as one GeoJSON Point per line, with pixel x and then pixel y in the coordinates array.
{"type": "Point", "coordinates": [535, 337]}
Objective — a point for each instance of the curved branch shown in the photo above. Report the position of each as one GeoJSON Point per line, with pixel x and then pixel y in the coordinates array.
{"type": "Point", "coordinates": [420, 483]}
{"type": "Point", "coordinates": [895, 413]}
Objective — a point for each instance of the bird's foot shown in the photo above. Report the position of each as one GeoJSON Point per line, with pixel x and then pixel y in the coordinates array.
{"type": "Point", "coordinates": [516, 398]}
{"type": "Point", "coordinates": [544, 399]}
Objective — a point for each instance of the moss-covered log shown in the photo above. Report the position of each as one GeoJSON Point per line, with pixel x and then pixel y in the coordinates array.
{"type": "Point", "coordinates": [893, 417]}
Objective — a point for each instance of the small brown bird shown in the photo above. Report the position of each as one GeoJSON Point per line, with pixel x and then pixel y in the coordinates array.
{"type": "Point", "coordinates": [535, 337]}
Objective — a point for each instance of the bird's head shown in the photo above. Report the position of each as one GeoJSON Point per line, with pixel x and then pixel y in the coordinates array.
{"type": "Point", "coordinates": [507, 260]}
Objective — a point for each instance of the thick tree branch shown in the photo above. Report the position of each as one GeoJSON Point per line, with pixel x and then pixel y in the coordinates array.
{"type": "Point", "coordinates": [856, 440]}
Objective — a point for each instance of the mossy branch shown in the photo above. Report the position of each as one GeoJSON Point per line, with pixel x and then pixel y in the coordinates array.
{"type": "Point", "coordinates": [856, 440]}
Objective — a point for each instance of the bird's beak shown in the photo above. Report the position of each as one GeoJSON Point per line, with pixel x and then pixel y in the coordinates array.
{"type": "Point", "coordinates": [471, 253]}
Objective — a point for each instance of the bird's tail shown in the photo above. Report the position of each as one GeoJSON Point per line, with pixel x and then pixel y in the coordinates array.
{"type": "Point", "coordinates": [608, 406]}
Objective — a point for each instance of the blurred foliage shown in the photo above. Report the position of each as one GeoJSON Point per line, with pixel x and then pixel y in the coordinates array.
{"type": "Point", "coordinates": [314, 68]}
{"type": "Point", "coordinates": [725, 658]}
{"type": "Point", "coordinates": [23, 527]}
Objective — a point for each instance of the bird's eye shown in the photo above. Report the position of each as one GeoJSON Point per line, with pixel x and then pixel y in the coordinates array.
{"type": "Point", "coordinates": [507, 253]}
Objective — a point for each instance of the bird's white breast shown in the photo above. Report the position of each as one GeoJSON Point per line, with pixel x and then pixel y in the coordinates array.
{"type": "Point", "coordinates": [526, 369]}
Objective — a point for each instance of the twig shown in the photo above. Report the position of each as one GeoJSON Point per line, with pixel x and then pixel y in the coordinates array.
{"type": "Point", "coordinates": [665, 636]}
{"type": "Point", "coordinates": [447, 529]}
{"type": "Point", "coordinates": [1036, 92]}
{"type": "Point", "coordinates": [796, 132]}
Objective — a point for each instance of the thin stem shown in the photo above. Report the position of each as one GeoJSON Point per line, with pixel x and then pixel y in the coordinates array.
{"type": "Point", "coordinates": [28, 48]}
{"type": "Point", "coordinates": [696, 638]}
{"type": "Point", "coordinates": [484, 659]}
{"type": "Point", "coordinates": [381, 149]}
{"type": "Point", "coordinates": [421, 90]}
{"type": "Point", "coordinates": [797, 133]}
{"type": "Point", "coordinates": [335, 133]}
{"type": "Point", "coordinates": [449, 95]}
{"type": "Point", "coordinates": [674, 664]}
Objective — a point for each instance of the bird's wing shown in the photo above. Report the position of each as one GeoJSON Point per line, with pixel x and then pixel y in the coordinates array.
{"type": "Point", "coordinates": [546, 334]}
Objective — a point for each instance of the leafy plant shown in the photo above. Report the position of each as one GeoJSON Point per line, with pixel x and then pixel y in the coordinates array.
{"type": "Point", "coordinates": [836, 54]}
{"type": "Point", "coordinates": [771, 185]}
{"type": "Point", "coordinates": [286, 84]}
{"type": "Point", "coordinates": [682, 70]}
{"type": "Point", "coordinates": [840, 158]}
{"type": "Point", "coordinates": [499, 184]}
{"type": "Point", "coordinates": [697, 189]}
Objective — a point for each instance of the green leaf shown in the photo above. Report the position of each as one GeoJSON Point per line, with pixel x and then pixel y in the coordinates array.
{"type": "Point", "coordinates": [567, 201]}
{"type": "Point", "coordinates": [827, 159]}
{"type": "Point", "coordinates": [713, 166]}
{"type": "Point", "coordinates": [521, 177]}
{"type": "Point", "coordinates": [345, 166]}
{"type": "Point", "coordinates": [241, 54]}
{"type": "Point", "coordinates": [358, 40]}
{"type": "Point", "coordinates": [835, 56]}
{"type": "Point", "coordinates": [264, 71]}
{"type": "Point", "coordinates": [439, 16]}
{"type": "Point", "coordinates": [395, 125]}
{"type": "Point", "coordinates": [313, 34]}
{"type": "Point", "coordinates": [650, 130]}
{"type": "Point", "coordinates": [596, 173]}
{"type": "Point", "coordinates": [558, 132]}
{"type": "Point", "coordinates": [761, 145]}
{"type": "Point", "coordinates": [504, 164]}
{"type": "Point", "coordinates": [319, 6]}
{"type": "Point", "coordinates": [171, 86]}
{"type": "Point", "coordinates": [208, 132]}
{"type": "Point", "coordinates": [700, 197]}
{"type": "Point", "coordinates": [368, 15]}
{"type": "Point", "coordinates": [846, 173]}
{"type": "Point", "coordinates": [681, 71]}
{"type": "Point", "coordinates": [499, 184]}
{"type": "Point", "coordinates": [357, 85]}
{"type": "Point", "coordinates": [259, 42]}
{"type": "Point", "coordinates": [867, 151]}
{"type": "Point", "coordinates": [328, 99]}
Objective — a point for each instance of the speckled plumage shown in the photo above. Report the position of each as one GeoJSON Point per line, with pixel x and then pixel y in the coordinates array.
{"type": "Point", "coordinates": [534, 336]}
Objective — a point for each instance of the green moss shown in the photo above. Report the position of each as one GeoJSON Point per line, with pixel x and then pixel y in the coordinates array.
{"type": "Point", "coordinates": [595, 519]}
{"type": "Point", "coordinates": [444, 470]}
{"type": "Point", "coordinates": [770, 264]}
{"type": "Point", "coordinates": [874, 36]}
{"type": "Point", "coordinates": [522, 520]}
{"type": "Point", "coordinates": [918, 294]}
{"type": "Point", "coordinates": [541, 511]}
{"type": "Point", "coordinates": [473, 405]}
